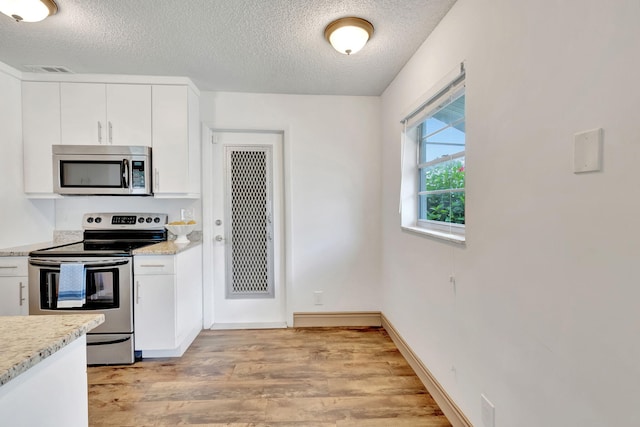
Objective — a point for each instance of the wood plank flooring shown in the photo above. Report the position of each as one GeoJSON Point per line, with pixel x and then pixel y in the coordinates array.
{"type": "Point", "coordinates": [329, 377]}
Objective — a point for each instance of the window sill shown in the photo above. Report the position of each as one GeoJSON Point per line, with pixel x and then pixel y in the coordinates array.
{"type": "Point", "coordinates": [441, 235]}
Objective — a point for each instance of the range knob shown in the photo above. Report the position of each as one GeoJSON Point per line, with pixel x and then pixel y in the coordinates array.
{"type": "Point", "coordinates": [149, 220]}
{"type": "Point", "coordinates": [98, 220]}
{"type": "Point", "coordinates": [90, 220]}
{"type": "Point", "coordinates": [156, 220]}
{"type": "Point", "coordinates": [140, 220]}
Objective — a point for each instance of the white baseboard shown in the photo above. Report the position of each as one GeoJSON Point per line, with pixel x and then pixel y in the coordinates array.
{"type": "Point", "coordinates": [453, 413]}
{"type": "Point", "coordinates": [265, 325]}
{"type": "Point", "coordinates": [336, 319]}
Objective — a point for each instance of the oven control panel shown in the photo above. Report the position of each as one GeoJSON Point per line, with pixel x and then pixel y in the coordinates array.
{"type": "Point", "coordinates": [124, 220]}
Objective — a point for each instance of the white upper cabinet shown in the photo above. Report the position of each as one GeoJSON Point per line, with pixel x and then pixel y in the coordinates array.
{"type": "Point", "coordinates": [84, 109]}
{"type": "Point", "coordinates": [155, 113]}
{"type": "Point", "coordinates": [112, 114]}
{"type": "Point", "coordinates": [129, 114]}
{"type": "Point", "coordinates": [40, 130]}
{"type": "Point", "coordinates": [176, 141]}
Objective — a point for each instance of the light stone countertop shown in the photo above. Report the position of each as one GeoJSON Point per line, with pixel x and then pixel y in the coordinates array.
{"type": "Point", "coordinates": [59, 238]}
{"type": "Point", "coordinates": [166, 248]}
{"type": "Point", "coordinates": [24, 250]}
{"type": "Point", "coordinates": [65, 237]}
{"type": "Point", "coordinates": [27, 340]}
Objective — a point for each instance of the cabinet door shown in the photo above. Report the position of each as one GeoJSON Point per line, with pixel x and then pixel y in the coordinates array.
{"type": "Point", "coordinates": [129, 114]}
{"type": "Point", "coordinates": [13, 296]}
{"type": "Point", "coordinates": [154, 312]}
{"type": "Point", "coordinates": [83, 113]}
{"type": "Point", "coordinates": [170, 139]}
{"type": "Point", "coordinates": [176, 141]}
{"type": "Point", "coordinates": [40, 130]}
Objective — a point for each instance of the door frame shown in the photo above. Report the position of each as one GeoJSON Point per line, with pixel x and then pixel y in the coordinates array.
{"type": "Point", "coordinates": [208, 133]}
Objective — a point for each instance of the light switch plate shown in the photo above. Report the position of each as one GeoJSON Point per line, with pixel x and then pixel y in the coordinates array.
{"type": "Point", "coordinates": [587, 151]}
{"type": "Point", "coordinates": [488, 412]}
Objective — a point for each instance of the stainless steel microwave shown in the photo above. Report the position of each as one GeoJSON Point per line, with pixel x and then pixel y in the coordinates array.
{"type": "Point", "coordinates": [115, 170]}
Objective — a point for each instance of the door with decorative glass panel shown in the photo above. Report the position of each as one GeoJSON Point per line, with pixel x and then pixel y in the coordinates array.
{"type": "Point", "coordinates": [248, 227]}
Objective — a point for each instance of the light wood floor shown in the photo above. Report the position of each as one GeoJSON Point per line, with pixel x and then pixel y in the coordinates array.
{"type": "Point", "coordinates": [281, 377]}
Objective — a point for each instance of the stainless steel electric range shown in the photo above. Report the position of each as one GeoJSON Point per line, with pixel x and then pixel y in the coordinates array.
{"type": "Point", "coordinates": [96, 275]}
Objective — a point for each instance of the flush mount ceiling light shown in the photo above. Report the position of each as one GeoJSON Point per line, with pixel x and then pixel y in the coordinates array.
{"type": "Point", "coordinates": [28, 10]}
{"type": "Point", "coordinates": [348, 35]}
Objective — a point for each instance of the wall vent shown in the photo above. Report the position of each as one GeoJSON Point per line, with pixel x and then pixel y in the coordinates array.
{"type": "Point", "coordinates": [249, 206]}
{"type": "Point", "coordinates": [55, 69]}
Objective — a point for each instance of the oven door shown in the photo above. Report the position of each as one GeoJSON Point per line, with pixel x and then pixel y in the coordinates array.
{"type": "Point", "coordinates": [108, 288]}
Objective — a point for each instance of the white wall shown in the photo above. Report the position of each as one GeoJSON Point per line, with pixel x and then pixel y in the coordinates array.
{"type": "Point", "coordinates": [23, 221]}
{"type": "Point", "coordinates": [544, 316]}
{"type": "Point", "coordinates": [332, 151]}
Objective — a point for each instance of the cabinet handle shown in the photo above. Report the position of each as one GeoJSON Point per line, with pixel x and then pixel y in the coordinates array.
{"type": "Point", "coordinates": [21, 294]}
{"type": "Point", "coordinates": [8, 266]}
{"type": "Point", "coordinates": [137, 292]}
{"type": "Point", "coordinates": [100, 132]}
{"type": "Point", "coordinates": [156, 179]}
{"type": "Point", "coordinates": [110, 133]}
{"type": "Point", "coordinates": [152, 265]}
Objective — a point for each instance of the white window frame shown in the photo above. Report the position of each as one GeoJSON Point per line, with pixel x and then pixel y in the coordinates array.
{"type": "Point", "coordinates": [452, 83]}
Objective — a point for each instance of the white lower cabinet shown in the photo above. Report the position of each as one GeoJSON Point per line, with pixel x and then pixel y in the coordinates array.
{"type": "Point", "coordinates": [168, 302]}
{"type": "Point", "coordinates": [14, 291]}
{"type": "Point", "coordinates": [155, 312]}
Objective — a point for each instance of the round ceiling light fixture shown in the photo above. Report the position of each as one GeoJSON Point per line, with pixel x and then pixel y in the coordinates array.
{"type": "Point", "coordinates": [348, 35]}
{"type": "Point", "coordinates": [28, 10]}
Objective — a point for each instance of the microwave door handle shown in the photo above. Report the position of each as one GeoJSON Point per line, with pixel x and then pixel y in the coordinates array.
{"type": "Point", "coordinates": [125, 173]}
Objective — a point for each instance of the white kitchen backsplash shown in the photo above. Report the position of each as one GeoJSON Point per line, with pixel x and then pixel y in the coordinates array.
{"type": "Point", "coordinates": [69, 210]}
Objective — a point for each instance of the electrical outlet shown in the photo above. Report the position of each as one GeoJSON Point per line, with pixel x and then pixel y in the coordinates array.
{"type": "Point", "coordinates": [488, 412]}
{"type": "Point", "coordinates": [317, 298]}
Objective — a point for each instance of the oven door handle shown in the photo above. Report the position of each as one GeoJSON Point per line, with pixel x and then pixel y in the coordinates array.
{"type": "Point", "coordinates": [118, 341]}
{"type": "Point", "coordinates": [110, 263]}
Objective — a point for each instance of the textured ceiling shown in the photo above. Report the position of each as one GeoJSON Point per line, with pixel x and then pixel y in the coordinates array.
{"type": "Point", "coordinates": [268, 46]}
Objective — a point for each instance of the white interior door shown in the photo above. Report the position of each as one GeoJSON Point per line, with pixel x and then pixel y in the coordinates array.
{"type": "Point", "coordinates": [247, 209]}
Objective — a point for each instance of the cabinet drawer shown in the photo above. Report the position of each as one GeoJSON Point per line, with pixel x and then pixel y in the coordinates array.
{"type": "Point", "coordinates": [13, 266]}
{"type": "Point", "coordinates": [155, 264]}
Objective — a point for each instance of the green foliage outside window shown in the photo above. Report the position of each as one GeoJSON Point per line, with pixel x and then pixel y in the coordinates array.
{"type": "Point", "coordinates": [446, 207]}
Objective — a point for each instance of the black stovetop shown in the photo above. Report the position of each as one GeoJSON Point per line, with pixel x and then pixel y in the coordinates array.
{"type": "Point", "coordinates": [81, 249]}
{"type": "Point", "coordinates": [104, 244]}
{"type": "Point", "coordinates": [112, 234]}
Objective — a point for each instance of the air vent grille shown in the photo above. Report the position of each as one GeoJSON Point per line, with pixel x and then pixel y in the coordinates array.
{"type": "Point", "coordinates": [250, 264]}
{"type": "Point", "coordinates": [54, 69]}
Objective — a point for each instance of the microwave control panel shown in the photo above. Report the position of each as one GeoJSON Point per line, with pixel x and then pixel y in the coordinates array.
{"type": "Point", "coordinates": [137, 174]}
